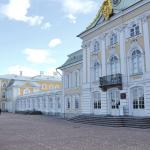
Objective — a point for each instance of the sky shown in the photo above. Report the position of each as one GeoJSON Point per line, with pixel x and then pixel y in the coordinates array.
{"type": "Point", "coordinates": [37, 35]}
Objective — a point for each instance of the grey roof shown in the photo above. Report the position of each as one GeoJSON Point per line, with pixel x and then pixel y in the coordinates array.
{"type": "Point", "coordinates": [73, 58]}
{"type": "Point", "coordinates": [25, 78]}
{"type": "Point", "coordinates": [21, 83]}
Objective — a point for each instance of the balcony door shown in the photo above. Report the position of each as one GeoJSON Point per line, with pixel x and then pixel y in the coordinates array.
{"type": "Point", "coordinates": [114, 102]}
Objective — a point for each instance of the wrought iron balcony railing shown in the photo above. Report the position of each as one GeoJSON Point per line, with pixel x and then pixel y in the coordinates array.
{"type": "Point", "coordinates": [110, 81]}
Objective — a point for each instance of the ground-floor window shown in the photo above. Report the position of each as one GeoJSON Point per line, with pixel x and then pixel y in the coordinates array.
{"type": "Point", "coordinates": [97, 100]}
{"type": "Point", "coordinates": [114, 97]}
{"type": "Point", "coordinates": [138, 97]}
{"type": "Point", "coordinates": [76, 102]}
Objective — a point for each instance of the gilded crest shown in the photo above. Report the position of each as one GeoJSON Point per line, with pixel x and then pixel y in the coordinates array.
{"type": "Point", "coordinates": [107, 9]}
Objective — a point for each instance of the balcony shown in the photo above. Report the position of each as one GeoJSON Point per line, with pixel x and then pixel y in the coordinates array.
{"type": "Point", "coordinates": [111, 81]}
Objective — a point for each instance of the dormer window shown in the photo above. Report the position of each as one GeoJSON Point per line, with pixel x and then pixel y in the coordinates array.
{"type": "Point", "coordinates": [113, 39]}
{"type": "Point", "coordinates": [135, 30]}
{"type": "Point", "coordinates": [96, 46]}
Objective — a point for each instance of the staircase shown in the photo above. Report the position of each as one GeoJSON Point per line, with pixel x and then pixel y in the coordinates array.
{"type": "Point", "coordinates": [109, 121]}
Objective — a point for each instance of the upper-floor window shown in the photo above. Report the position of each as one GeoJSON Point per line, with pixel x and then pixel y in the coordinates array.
{"type": "Point", "coordinates": [135, 30]}
{"type": "Point", "coordinates": [113, 39]}
{"type": "Point", "coordinates": [4, 85]}
{"type": "Point", "coordinates": [96, 71]}
{"type": "Point", "coordinates": [137, 62]}
{"type": "Point", "coordinates": [26, 91]}
{"type": "Point", "coordinates": [96, 46]}
{"type": "Point", "coordinates": [114, 65]}
{"type": "Point", "coordinates": [43, 86]}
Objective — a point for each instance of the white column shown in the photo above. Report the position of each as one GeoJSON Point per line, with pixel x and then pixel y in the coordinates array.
{"type": "Point", "coordinates": [146, 43]}
{"type": "Point", "coordinates": [84, 47]}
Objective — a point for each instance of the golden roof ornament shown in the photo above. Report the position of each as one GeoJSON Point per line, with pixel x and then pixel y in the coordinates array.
{"type": "Point", "coordinates": [107, 9]}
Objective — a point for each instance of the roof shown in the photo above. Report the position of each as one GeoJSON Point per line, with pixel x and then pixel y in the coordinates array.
{"type": "Point", "coordinates": [122, 5]}
{"type": "Point", "coordinates": [73, 58]}
{"type": "Point", "coordinates": [25, 78]}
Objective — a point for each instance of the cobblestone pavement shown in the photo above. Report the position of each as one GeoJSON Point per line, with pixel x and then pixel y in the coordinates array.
{"type": "Point", "coordinates": [21, 132]}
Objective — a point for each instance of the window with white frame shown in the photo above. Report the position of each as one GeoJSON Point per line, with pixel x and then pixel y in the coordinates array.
{"type": "Point", "coordinates": [58, 103]}
{"type": "Point", "coordinates": [97, 100]}
{"type": "Point", "coordinates": [113, 39]}
{"type": "Point", "coordinates": [68, 103]}
{"type": "Point", "coordinates": [138, 97]}
{"type": "Point", "coordinates": [26, 91]}
{"type": "Point", "coordinates": [96, 71]}
{"type": "Point", "coordinates": [114, 65]}
{"type": "Point", "coordinates": [76, 78]}
{"type": "Point", "coordinates": [96, 46]}
{"type": "Point", "coordinates": [43, 86]}
{"type": "Point", "coordinates": [77, 99]}
{"type": "Point", "coordinates": [38, 103]}
{"type": "Point", "coordinates": [134, 30]}
{"type": "Point", "coordinates": [50, 102]}
{"type": "Point", "coordinates": [44, 102]}
{"type": "Point", "coordinates": [136, 62]}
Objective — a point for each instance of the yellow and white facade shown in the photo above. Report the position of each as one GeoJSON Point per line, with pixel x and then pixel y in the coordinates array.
{"type": "Point", "coordinates": [115, 74]}
{"type": "Point", "coordinates": [116, 49]}
{"type": "Point", "coordinates": [19, 86]}
{"type": "Point", "coordinates": [111, 74]}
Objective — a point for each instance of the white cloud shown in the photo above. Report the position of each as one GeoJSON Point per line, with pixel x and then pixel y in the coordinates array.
{"type": "Point", "coordinates": [75, 7]}
{"type": "Point", "coordinates": [79, 6]}
{"type": "Point", "coordinates": [27, 71]}
{"type": "Point", "coordinates": [18, 10]}
{"type": "Point", "coordinates": [54, 42]}
{"type": "Point", "coordinates": [72, 18]}
{"type": "Point", "coordinates": [46, 26]}
{"type": "Point", "coordinates": [38, 56]}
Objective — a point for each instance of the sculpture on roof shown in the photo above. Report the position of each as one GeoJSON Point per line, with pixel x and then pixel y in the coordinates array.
{"type": "Point", "coordinates": [107, 9]}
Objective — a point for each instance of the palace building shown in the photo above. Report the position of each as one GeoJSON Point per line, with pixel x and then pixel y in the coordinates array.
{"type": "Point", "coordinates": [115, 70]}
{"type": "Point", "coordinates": [13, 86]}
{"type": "Point", "coordinates": [110, 75]}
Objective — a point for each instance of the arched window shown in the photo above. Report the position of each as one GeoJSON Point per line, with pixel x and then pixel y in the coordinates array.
{"type": "Point", "coordinates": [68, 103]}
{"type": "Point", "coordinates": [96, 71]}
{"type": "Point", "coordinates": [4, 85]}
{"type": "Point", "coordinates": [136, 62]}
{"type": "Point", "coordinates": [138, 97]}
{"type": "Point", "coordinates": [114, 65]}
{"type": "Point", "coordinates": [96, 46]}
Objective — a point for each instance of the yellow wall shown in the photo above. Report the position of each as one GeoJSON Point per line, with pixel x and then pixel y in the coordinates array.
{"type": "Point", "coordinates": [47, 84]}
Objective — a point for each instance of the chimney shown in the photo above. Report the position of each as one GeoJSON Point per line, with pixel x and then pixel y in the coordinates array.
{"type": "Point", "coordinates": [41, 73]}
{"type": "Point", "coordinates": [21, 72]}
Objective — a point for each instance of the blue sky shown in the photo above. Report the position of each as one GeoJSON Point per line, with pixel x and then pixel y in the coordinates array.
{"type": "Point", "coordinates": [37, 35]}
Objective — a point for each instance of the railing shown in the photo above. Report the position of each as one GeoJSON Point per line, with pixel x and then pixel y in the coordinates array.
{"type": "Point", "coordinates": [110, 81]}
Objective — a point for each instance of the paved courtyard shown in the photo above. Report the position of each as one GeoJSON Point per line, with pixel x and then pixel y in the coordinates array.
{"type": "Point", "coordinates": [21, 132]}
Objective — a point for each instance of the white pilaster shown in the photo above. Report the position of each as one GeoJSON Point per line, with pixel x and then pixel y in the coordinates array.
{"type": "Point", "coordinates": [103, 56]}
{"type": "Point", "coordinates": [86, 88]}
{"type": "Point", "coordinates": [146, 43]}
